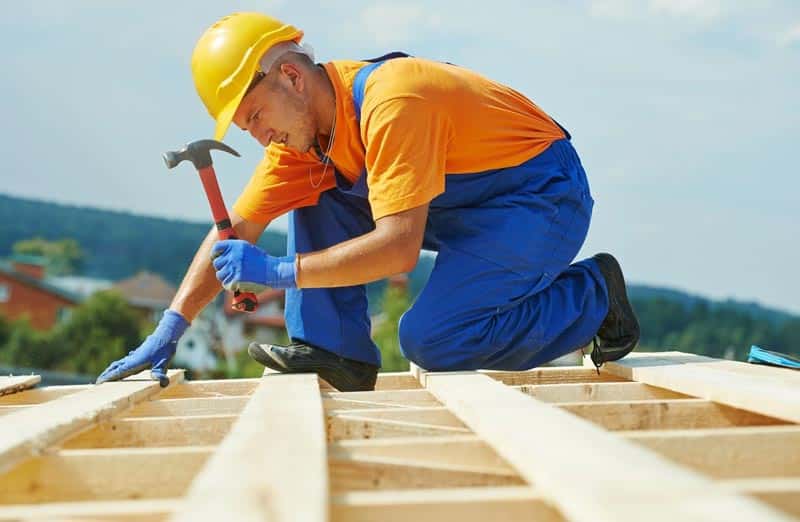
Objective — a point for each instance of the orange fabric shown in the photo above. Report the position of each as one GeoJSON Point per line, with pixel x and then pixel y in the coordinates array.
{"type": "Point", "coordinates": [420, 119]}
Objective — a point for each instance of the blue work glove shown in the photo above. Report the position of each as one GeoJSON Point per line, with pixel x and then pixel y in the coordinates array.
{"type": "Point", "coordinates": [156, 351]}
{"type": "Point", "coordinates": [245, 267]}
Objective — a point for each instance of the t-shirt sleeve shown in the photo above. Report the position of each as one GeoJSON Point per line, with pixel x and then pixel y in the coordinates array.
{"type": "Point", "coordinates": [284, 180]}
{"type": "Point", "coordinates": [406, 141]}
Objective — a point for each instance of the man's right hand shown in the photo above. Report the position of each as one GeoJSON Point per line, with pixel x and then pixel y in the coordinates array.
{"type": "Point", "coordinates": [155, 352]}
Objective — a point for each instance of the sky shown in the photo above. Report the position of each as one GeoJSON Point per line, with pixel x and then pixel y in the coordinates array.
{"type": "Point", "coordinates": [686, 113]}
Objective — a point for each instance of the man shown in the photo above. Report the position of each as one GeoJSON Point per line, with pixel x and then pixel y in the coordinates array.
{"type": "Point", "coordinates": [374, 160]}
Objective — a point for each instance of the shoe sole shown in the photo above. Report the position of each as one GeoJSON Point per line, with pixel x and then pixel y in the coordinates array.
{"type": "Point", "coordinates": [608, 264]}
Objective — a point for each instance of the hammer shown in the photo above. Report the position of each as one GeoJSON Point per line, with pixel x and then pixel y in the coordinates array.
{"type": "Point", "coordinates": [199, 153]}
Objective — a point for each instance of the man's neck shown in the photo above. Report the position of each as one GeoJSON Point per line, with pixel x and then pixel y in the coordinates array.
{"type": "Point", "coordinates": [325, 102]}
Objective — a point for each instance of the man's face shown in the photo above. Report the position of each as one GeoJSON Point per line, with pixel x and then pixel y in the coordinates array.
{"type": "Point", "coordinates": [278, 109]}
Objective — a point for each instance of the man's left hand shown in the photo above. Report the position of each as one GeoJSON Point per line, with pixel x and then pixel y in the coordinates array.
{"type": "Point", "coordinates": [245, 267]}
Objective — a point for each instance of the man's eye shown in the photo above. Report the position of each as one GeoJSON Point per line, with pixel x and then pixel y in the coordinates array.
{"type": "Point", "coordinates": [256, 116]}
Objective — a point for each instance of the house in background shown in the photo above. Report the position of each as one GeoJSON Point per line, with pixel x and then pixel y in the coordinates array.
{"type": "Point", "coordinates": [148, 293]}
{"type": "Point", "coordinates": [26, 292]}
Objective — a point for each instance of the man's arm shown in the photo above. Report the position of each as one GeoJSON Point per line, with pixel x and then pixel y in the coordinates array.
{"type": "Point", "coordinates": [392, 248]}
{"type": "Point", "coordinates": [200, 284]}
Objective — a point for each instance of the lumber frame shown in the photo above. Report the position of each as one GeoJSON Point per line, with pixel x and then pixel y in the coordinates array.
{"type": "Point", "coordinates": [728, 453]}
{"type": "Point", "coordinates": [11, 384]}
{"type": "Point", "coordinates": [151, 432]}
{"type": "Point", "coordinates": [127, 510]}
{"type": "Point", "coordinates": [597, 391]}
{"type": "Point", "coordinates": [81, 475]}
{"type": "Point", "coordinates": [189, 406]}
{"type": "Point", "coordinates": [665, 414]}
{"type": "Point", "coordinates": [43, 425]}
{"type": "Point", "coordinates": [554, 449]}
{"type": "Point", "coordinates": [273, 463]}
{"type": "Point", "coordinates": [438, 505]}
{"type": "Point", "coordinates": [773, 392]}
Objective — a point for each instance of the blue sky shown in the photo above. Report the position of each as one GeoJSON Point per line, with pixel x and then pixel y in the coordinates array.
{"type": "Point", "coordinates": [686, 113]}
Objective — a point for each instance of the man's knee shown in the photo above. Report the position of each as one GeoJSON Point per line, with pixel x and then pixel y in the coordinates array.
{"type": "Point", "coordinates": [414, 335]}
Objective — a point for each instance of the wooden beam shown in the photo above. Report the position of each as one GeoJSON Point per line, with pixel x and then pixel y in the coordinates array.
{"type": "Point", "coordinates": [39, 395]}
{"type": "Point", "coordinates": [211, 388]}
{"type": "Point", "coordinates": [438, 505]}
{"type": "Point", "coordinates": [552, 375]}
{"type": "Point", "coordinates": [781, 493]}
{"type": "Point", "coordinates": [386, 399]}
{"type": "Point", "coordinates": [79, 475]}
{"type": "Point", "coordinates": [9, 384]}
{"type": "Point", "coordinates": [151, 432]}
{"type": "Point", "coordinates": [273, 464]}
{"type": "Point", "coordinates": [383, 473]}
{"type": "Point", "coordinates": [556, 451]}
{"type": "Point", "coordinates": [345, 427]}
{"type": "Point", "coordinates": [189, 406]}
{"type": "Point", "coordinates": [603, 391]}
{"type": "Point", "coordinates": [456, 450]}
{"type": "Point", "coordinates": [663, 414]}
{"type": "Point", "coordinates": [396, 381]}
{"type": "Point", "coordinates": [435, 416]}
{"type": "Point", "coordinates": [729, 452]}
{"type": "Point", "coordinates": [5, 410]}
{"type": "Point", "coordinates": [773, 392]}
{"type": "Point", "coordinates": [127, 510]}
{"type": "Point", "coordinates": [40, 426]}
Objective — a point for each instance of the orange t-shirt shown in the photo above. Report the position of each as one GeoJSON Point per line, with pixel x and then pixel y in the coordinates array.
{"type": "Point", "coordinates": [420, 119]}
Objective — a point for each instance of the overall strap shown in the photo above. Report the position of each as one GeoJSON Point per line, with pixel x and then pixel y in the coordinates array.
{"type": "Point", "coordinates": [360, 81]}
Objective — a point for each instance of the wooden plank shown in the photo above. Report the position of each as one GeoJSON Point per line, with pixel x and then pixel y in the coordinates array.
{"type": "Point", "coordinates": [189, 406]}
{"type": "Point", "coordinates": [780, 493]}
{"type": "Point", "coordinates": [151, 432]}
{"type": "Point", "coordinates": [79, 475]}
{"type": "Point", "coordinates": [273, 463]}
{"type": "Point", "coordinates": [36, 428]}
{"type": "Point", "coordinates": [5, 410]}
{"type": "Point", "coordinates": [619, 481]}
{"type": "Point", "coordinates": [381, 473]}
{"type": "Point", "coordinates": [14, 384]}
{"type": "Point", "coordinates": [343, 427]}
{"type": "Point", "coordinates": [664, 414]}
{"type": "Point", "coordinates": [128, 510]}
{"type": "Point", "coordinates": [604, 391]}
{"type": "Point", "coordinates": [457, 450]}
{"type": "Point", "coordinates": [211, 388]}
{"type": "Point", "coordinates": [435, 416]}
{"type": "Point", "coordinates": [554, 375]}
{"type": "Point", "coordinates": [404, 398]}
{"type": "Point", "coordinates": [729, 452]}
{"type": "Point", "coordinates": [39, 395]}
{"type": "Point", "coordinates": [768, 391]}
{"type": "Point", "coordinates": [396, 381]}
{"type": "Point", "coordinates": [440, 505]}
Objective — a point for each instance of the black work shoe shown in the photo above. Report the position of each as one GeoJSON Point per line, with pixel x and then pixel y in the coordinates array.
{"type": "Point", "coordinates": [343, 374]}
{"type": "Point", "coordinates": [619, 333]}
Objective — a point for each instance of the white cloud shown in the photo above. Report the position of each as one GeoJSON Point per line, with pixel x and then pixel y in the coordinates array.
{"type": "Point", "coordinates": [700, 10]}
{"type": "Point", "coordinates": [790, 36]}
{"type": "Point", "coordinates": [396, 24]}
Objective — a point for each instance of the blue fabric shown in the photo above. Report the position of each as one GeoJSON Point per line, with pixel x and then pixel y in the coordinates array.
{"type": "Point", "coordinates": [502, 294]}
{"type": "Point", "coordinates": [335, 319]}
{"type": "Point", "coordinates": [155, 352]}
{"type": "Point", "coordinates": [244, 267]}
{"type": "Point", "coordinates": [759, 355]}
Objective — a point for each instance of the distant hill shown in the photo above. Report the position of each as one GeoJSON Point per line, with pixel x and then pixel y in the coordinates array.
{"type": "Point", "coordinates": [116, 244]}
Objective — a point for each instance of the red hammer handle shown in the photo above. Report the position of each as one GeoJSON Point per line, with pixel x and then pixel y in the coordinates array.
{"type": "Point", "coordinates": [242, 301]}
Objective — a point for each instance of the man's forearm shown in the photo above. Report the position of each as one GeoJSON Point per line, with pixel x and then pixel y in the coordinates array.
{"type": "Point", "coordinates": [200, 284]}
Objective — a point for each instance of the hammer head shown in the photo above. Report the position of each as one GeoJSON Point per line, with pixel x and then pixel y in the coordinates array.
{"type": "Point", "coordinates": [198, 152]}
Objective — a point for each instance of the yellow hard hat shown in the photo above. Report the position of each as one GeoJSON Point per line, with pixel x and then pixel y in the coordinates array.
{"type": "Point", "coordinates": [225, 60]}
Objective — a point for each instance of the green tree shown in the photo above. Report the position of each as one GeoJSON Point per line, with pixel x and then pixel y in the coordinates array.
{"type": "Point", "coordinates": [99, 330]}
{"type": "Point", "coordinates": [385, 334]}
{"type": "Point", "coordinates": [63, 256]}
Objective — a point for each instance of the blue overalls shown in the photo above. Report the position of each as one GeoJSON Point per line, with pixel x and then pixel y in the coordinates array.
{"type": "Point", "coordinates": [502, 295]}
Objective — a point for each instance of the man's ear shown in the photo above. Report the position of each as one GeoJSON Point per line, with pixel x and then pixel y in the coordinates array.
{"type": "Point", "coordinates": [294, 74]}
